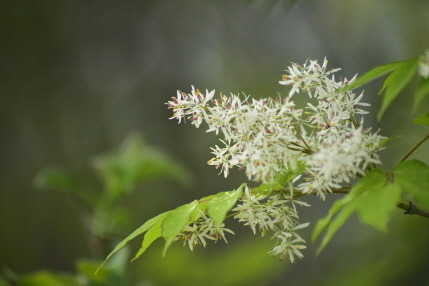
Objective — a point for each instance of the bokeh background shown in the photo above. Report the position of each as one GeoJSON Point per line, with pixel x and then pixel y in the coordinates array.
{"type": "Point", "coordinates": [76, 77]}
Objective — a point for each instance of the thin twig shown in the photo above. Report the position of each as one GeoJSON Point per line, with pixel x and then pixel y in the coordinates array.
{"type": "Point", "coordinates": [302, 139]}
{"type": "Point", "coordinates": [414, 148]}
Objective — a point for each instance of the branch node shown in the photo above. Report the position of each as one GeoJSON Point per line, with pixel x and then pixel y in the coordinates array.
{"type": "Point", "coordinates": [413, 209]}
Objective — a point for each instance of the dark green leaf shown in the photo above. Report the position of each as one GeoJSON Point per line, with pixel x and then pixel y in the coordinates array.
{"type": "Point", "coordinates": [55, 179]}
{"type": "Point", "coordinates": [87, 268]}
{"type": "Point", "coordinates": [413, 177]}
{"type": "Point", "coordinates": [395, 82]}
{"type": "Point", "coordinates": [422, 119]}
{"type": "Point", "coordinates": [48, 279]}
{"type": "Point", "coordinates": [137, 232]}
{"type": "Point", "coordinates": [221, 204]}
{"type": "Point", "coordinates": [3, 282]}
{"type": "Point", "coordinates": [421, 91]}
{"type": "Point", "coordinates": [175, 221]}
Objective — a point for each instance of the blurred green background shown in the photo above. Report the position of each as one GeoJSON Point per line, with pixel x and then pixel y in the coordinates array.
{"type": "Point", "coordinates": [76, 77]}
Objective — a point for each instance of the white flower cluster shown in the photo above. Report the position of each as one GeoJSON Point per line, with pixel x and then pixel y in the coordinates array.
{"type": "Point", "coordinates": [267, 137]}
{"type": "Point", "coordinates": [200, 230]}
{"type": "Point", "coordinates": [278, 215]}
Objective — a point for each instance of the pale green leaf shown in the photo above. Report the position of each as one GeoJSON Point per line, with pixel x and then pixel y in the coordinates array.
{"type": "Point", "coordinates": [372, 177]}
{"type": "Point", "coordinates": [279, 181]}
{"type": "Point", "coordinates": [413, 177]}
{"type": "Point", "coordinates": [347, 205]}
{"type": "Point", "coordinates": [371, 75]}
{"type": "Point", "coordinates": [339, 220]}
{"type": "Point", "coordinates": [202, 206]}
{"type": "Point", "coordinates": [150, 236]}
{"type": "Point", "coordinates": [148, 224]}
{"type": "Point", "coordinates": [221, 204]}
{"type": "Point", "coordinates": [378, 202]}
{"type": "Point", "coordinates": [175, 221]}
{"type": "Point", "coordinates": [135, 163]}
{"type": "Point", "coordinates": [324, 222]}
{"type": "Point", "coordinates": [395, 82]}
{"type": "Point", "coordinates": [421, 91]}
{"type": "Point", "coordinates": [422, 119]}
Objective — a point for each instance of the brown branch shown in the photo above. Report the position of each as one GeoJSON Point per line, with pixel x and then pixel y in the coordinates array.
{"type": "Point", "coordinates": [411, 209]}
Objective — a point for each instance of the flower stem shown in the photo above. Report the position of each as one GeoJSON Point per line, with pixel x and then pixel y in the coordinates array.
{"type": "Point", "coordinates": [414, 148]}
{"type": "Point", "coordinates": [309, 151]}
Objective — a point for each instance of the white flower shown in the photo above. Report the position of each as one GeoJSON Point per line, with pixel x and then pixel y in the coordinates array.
{"type": "Point", "coordinates": [424, 65]}
{"type": "Point", "coordinates": [277, 214]}
{"type": "Point", "coordinates": [200, 230]}
{"type": "Point", "coordinates": [270, 136]}
{"type": "Point", "coordinates": [340, 155]}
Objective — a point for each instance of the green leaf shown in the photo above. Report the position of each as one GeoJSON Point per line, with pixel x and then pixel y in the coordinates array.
{"type": "Point", "coordinates": [323, 223]}
{"type": "Point", "coordinates": [48, 279]}
{"type": "Point", "coordinates": [279, 181]}
{"type": "Point", "coordinates": [422, 119]}
{"type": "Point", "coordinates": [378, 202]}
{"type": "Point", "coordinates": [395, 82]}
{"type": "Point", "coordinates": [55, 179]}
{"type": "Point", "coordinates": [137, 232]}
{"type": "Point", "coordinates": [221, 204]}
{"type": "Point", "coordinates": [3, 282]}
{"type": "Point", "coordinates": [372, 177]}
{"type": "Point", "coordinates": [371, 75]}
{"type": "Point", "coordinates": [114, 273]}
{"type": "Point", "coordinates": [413, 177]}
{"type": "Point", "coordinates": [151, 235]}
{"type": "Point", "coordinates": [87, 269]}
{"type": "Point", "coordinates": [202, 206]}
{"type": "Point", "coordinates": [135, 163]}
{"type": "Point", "coordinates": [345, 207]}
{"type": "Point", "coordinates": [339, 220]}
{"type": "Point", "coordinates": [421, 91]}
{"type": "Point", "coordinates": [175, 221]}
